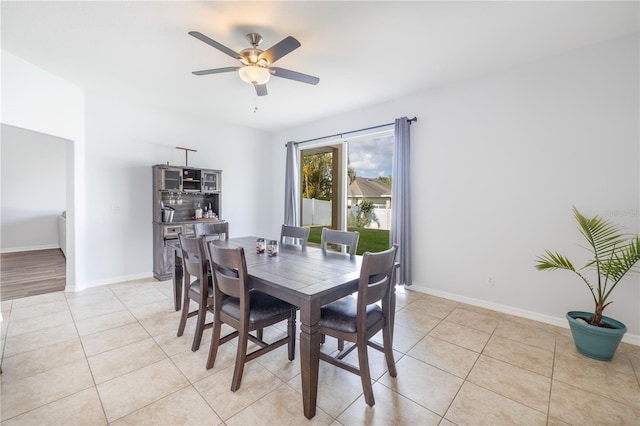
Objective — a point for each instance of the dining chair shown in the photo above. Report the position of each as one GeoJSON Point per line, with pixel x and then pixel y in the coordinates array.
{"type": "Point", "coordinates": [212, 229]}
{"type": "Point", "coordinates": [345, 238]}
{"type": "Point", "coordinates": [194, 263]}
{"type": "Point", "coordinates": [298, 233]}
{"type": "Point", "coordinates": [358, 318]}
{"type": "Point", "coordinates": [244, 310]}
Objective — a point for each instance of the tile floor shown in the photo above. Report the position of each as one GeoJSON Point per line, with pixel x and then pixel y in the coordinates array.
{"type": "Point", "coordinates": [110, 355]}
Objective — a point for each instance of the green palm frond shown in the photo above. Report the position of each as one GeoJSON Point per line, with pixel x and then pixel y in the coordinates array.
{"type": "Point", "coordinates": [553, 261]}
{"type": "Point", "coordinates": [614, 255]}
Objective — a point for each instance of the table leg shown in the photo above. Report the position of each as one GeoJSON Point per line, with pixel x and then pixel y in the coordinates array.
{"type": "Point", "coordinates": [309, 360]}
{"type": "Point", "coordinates": [177, 281]}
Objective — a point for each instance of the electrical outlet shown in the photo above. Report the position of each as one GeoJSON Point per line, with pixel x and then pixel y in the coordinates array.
{"type": "Point", "coordinates": [491, 280]}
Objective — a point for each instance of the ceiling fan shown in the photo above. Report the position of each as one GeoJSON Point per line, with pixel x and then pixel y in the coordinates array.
{"type": "Point", "coordinates": [256, 66]}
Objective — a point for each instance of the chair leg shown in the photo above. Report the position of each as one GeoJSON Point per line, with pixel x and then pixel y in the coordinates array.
{"type": "Point", "coordinates": [291, 332]}
{"type": "Point", "coordinates": [322, 338]}
{"type": "Point", "coordinates": [183, 315]}
{"type": "Point", "coordinates": [365, 375]}
{"type": "Point", "coordinates": [241, 356]}
{"type": "Point", "coordinates": [202, 317]}
{"type": "Point", "coordinates": [388, 350]}
{"type": "Point", "coordinates": [340, 344]}
{"type": "Point", "coordinates": [259, 333]}
{"type": "Point", "coordinates": [215, 343]}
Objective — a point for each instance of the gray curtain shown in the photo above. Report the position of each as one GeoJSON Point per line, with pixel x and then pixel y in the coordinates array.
{"type": "Point", "coordinates": [401, 200]}
{"type": "Point", "coordinates": [292, 187]}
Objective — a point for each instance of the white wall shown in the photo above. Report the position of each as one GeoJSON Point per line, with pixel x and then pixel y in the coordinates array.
{"type": "Point", "coordinates": [497, 163]}
{"type": "Point", "coordinates": [33, 177]}
{"type": "Point", "coordinates": [123, 142]}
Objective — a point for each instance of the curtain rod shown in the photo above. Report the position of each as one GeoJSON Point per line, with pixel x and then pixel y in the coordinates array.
{"type": "Point", "coordinates": [409, 120]}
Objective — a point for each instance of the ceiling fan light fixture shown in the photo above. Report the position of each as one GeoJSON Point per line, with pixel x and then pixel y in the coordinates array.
{"type": "Point", "coordinates": [255, 75]}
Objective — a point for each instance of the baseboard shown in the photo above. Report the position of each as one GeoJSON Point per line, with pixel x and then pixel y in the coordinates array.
{"type": "Point", "coordinates": [30, 248]}
{"type": "Point", "coordinates": [632, 339]}
{"type": "Point", "coordinates": [113, 280]}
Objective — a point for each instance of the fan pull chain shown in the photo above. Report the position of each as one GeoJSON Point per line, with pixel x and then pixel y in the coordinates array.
{"type": "Point", "coordinates": [255, 102]}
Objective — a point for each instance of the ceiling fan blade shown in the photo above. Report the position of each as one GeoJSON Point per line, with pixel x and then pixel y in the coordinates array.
{"type": "Point", "coordinates": [280, 49]}
{"type": "Point", "coordinates": [216, 71]}
{"type": "Point", "coordinates": [261, 89]}
{"type": "Point", "coordinates": [293, 75]}
{"type": "Point", "coordinates": [215, 44]}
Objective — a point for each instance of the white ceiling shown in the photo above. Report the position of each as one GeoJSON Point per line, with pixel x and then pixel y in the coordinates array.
{"type": "Point", "coordinates": [363, 52]}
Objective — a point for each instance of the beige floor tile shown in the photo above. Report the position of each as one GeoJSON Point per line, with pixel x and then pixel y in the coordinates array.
{"type": "Point", "coordinates": [478, 406]}
{"type": "Point", "coordinates": [282, 406]}
{"type": "Point", "coordinates": [478, 321]}
{"type": "Point", "coordinates": [444, 355]}
{"type": "Point", "coordinates": [513, 382]}
{"type": "Point", "coordinates": [166, 323]}
{"type": "Point", "coordinates": [132, 391]}
{"type": "Point", "coordinates": [257, 381]}
{"type": "Point", "coordinates": [5, 306]}
{"type": "Point", "coordinates": [4, 327]}
{"type": "Point", "coordinates": [184, 407]}
{"type": "Point", "coordinates": [403, 338]}
{"type": "Point", "coordinates": [42, 309]}
{"type": "Point", "coordinates": [433, 306]}
{"type": "Point", "coordinates": [104, 322]}
{"type": "Point", "coordinates": [89, 311]}
{"type": "Point", "coordinates": [552, 421]}
{"type": "Point", "coordinates": [277, 362]}
{"type": "Point", "coordinates": [154, 309]}
{"type": "Point", "coordinates": [526, 332]}
{"type": "Point", "coordinates": [39, 299]}
{"type": "Point", "coordinates": [40, 360]}
{"type": "Point", "coordinates": [82, 409]}
{"type": "Point", "coordinates": [404, 296]}
{"type": "Point", "coordinates": [390, 409]}
{"type": "Point", "coordinates": [460, 335]}
{"type": "Point", "coordinates": [580, 406]}
{"type": "Point", "coordinates": [35, 391]}
{"type": "Point", "coordinates": [38, 339]}
{"type": "Point", "coordinates": [139, 295]}
{"type": "Point", "coordinates": [116, 362]}
{"type": "Point", "coordinates": [39, 322]}
{"type": "Point", "coordinates": [172, 345]}
{"type": "Point", "coordinates": [91, 296]}
{"type": "Point", "coordinates": [598, 376]}
{"type": "Point", "coordinates": [377, 361]}
{"type": "Point", "coordinates": [337, 388]}
{"type": "Point", "coordinates": [424, 384]}
{"type": "Point", "coordinates": [416, 320]}
{"type": "Point", "coordinates": [166, 287]}
{"type": "Point", "coordinates": [194, 364]}
{"type": "Point", "coordinates": [521, 355]}
{"type": "Point", "coordinates": [113, 338]}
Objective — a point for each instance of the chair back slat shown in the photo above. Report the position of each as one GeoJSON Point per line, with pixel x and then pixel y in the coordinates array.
{"type": "Point", "coordinates": [299, 233]}
{"type": "Point", "coordinates": [345, 238]}
{"type": "Point", "coordinates": [229, 270]}
{"type": "Point", "coordinates": [193, 256]}
{"type": "Point", "coordinates": [212, 229]}
{"type": "Point", "coordinates": [376, 276]}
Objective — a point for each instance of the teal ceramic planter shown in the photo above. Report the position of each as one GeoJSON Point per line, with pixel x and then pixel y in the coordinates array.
{"type": "Point", "coordinates": [596, 342]}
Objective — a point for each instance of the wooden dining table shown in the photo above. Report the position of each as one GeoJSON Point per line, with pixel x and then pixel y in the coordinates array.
{"type": "Point", "coordinates": [307, 279]}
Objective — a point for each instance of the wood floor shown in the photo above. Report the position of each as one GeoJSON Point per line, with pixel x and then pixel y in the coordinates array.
{"type": "Point", "coordinates": [31, 272]}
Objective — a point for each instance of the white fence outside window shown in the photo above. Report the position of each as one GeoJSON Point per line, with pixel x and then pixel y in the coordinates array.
{"type": "Point", "coordinates": [318, 212]}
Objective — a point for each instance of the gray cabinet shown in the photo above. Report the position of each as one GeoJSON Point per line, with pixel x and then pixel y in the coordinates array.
{"type": "Point", "coordinates": [182, 190]}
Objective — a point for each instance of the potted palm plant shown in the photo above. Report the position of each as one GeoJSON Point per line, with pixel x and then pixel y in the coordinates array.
{"type": "Point", "coordinates": [614, 255]}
